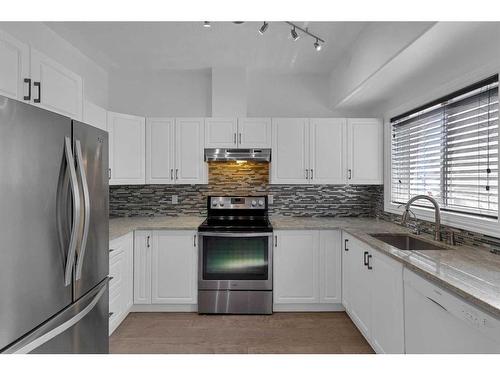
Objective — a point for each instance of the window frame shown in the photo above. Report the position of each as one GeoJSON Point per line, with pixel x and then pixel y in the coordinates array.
{"type": "Point", "coordinates": [479, 224]}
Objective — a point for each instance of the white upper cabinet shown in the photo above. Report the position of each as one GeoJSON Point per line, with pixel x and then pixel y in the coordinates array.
{"type": "Point", "coordinates": [54, 87]}
{"type": "Point", "coordinates": [160, 150]}
{"type": "Point", "coordinates": [126, 149]}
{"type": "Point", "coordinates": [254, 132]}
{"type": "Point", "coordinates": [174, 267]}
{"type": "Point", "coordinates": [290, 153]}
{"type": "Point", "coordinates": [365, 151]}
{"type": "Point", "coordinates": [95, 115]}
{"type": "Point", "coordinates": [221, 133]}
{"type": "Point", "coordinates": [190, 167]}
{"type": "Point", "coordinates": [14, 68]}
{"type": "Point", "coordinates": [238, 133]}
{"type": "Point", "coordinates": [327, 149]}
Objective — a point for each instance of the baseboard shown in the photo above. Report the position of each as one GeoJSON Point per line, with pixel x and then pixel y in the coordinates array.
{"type": "Point", "coordinates": [307, 307]}
{"type": "Point", "coordinates": [165, 308]}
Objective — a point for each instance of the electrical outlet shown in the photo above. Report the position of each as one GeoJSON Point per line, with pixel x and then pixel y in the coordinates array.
{"type": "Point", "coordinates": [270, 199]}
{"type": "Point", "coordinates": [175, 199]}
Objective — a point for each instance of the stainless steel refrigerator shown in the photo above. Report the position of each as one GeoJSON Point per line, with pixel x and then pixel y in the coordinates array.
{"type": "Point", "coordinates": [54, 238]}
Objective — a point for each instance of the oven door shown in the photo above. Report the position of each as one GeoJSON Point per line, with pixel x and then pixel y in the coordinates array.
{"type": "Point", "coordinates": [235, 261]}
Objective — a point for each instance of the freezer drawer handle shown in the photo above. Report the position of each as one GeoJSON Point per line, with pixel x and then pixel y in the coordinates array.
{"type": "Point", "coordinates": [32, 344]}
{"type": "Point", "coordinates": [76, 217]}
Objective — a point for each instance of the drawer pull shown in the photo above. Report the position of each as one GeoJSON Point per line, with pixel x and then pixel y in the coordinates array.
{"type": "Point", "coordinates": [110, 314]}
{"type": "Point", "coordinates": [111, 250]}
{"type": "Point", "coordinates": [111, 278]}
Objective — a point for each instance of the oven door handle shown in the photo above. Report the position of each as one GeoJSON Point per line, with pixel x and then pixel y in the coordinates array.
{"type": "Point", "coordinates": [233, 234]}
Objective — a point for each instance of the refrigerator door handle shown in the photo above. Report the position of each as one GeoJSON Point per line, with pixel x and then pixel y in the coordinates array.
{"type": "Point", "coordinates": [86, 207]}
{"type": "Point", "coordinates": [47, 332]}
{"type": "Point", "coordinates": [76, 214]}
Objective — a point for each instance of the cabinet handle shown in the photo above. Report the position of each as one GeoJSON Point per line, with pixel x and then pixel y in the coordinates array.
{"type": "Point", "coordinates": [239, 135]}
{"type": "Point", "coordinates": [171, 174]}
{"type": "Point", "coordinates": [194, 240]}
{"type": "Point", "coordinates": [111, 278]}
{"type": "Point", "coordinates": [147, 242]}
{"type": "Point", "coordinates": [368, 262]}
{"type": "Point", "coordinates": [109, 173]}
{"type": "Point", "coordinates": [311, 174]}
{"type": "Point", "coordinates": [110, 314]}
{"type": "Point", "coordinates": [176, 174]}
{"type": "Point", "coordinates": [345, 244]}
{"type": "Point", "coordinates": [365, 261]}
{"type": "Point", "coordinates": [275, 241]}
{"type": "Point", "coordinates": [111, 250]}
{"type": "Point", "coordinates": [307, 174]}
{"type": "Point", "coordinates": [234, 138]}
{"type": "Point", "coordinates": [349, 174]}
{"type": "Point", "coordinates": [39, 85]}
{"type": "Point", "coordinates": [28, 81]}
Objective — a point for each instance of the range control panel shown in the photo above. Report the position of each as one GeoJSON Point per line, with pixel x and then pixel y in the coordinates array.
{"type": "Point", "coordinates": [238, 203]}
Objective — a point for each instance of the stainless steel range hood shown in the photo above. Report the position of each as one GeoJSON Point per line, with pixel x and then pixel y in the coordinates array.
{"type": "Point", "coordinates": [231, 154]}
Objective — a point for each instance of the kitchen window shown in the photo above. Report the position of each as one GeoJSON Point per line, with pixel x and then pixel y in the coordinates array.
{"type": "Point", "coordinates": [448, 149]}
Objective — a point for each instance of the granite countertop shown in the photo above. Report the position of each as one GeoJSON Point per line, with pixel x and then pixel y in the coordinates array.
{"type": "Point", "coordinates": [123, 225]}
{"type": "Point", "coordinates": [472, 273]}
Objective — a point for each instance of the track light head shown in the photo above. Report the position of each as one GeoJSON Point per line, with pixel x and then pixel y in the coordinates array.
{"type": "Point", "coordinates": [294, 34]}
{"type": "Point", "coordinates": [263, 28]}
{"type": "Point", "coordinates": [207, 24]}
{"type": "Point", "coordinates": [317, 46]}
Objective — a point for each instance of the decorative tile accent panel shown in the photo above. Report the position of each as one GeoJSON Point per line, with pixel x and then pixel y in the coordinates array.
{"type": "Point", "coordinates": [250, 178]}
{"type": "Point", "coordinates": [462, 236]}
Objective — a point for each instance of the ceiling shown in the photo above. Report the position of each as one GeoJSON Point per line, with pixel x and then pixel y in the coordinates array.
{"type": "Point", "coordinates": [189, 45]}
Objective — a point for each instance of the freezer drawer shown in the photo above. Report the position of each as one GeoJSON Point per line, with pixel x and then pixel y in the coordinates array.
{"type": "Point", "coordinates": [81, 328]}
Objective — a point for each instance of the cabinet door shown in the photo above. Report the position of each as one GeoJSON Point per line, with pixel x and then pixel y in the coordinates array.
{"type": "Point", "coordinates": [327, 148]}
{"type": "Point", "coordinates": [95, 115]}
{"type": "Point", "coordinates": [330, 287]}
{"type": "Point", "coordinates": [14, 67]}
{"type": "Point", "coordinates": [296, 266]}
{"type": "Point", "coordinates": [365, 151]}
{"type": "Point", "coordinates": [126, 149]}
{"type": "Point", "coordinates": [174, 267]}
{"type": "Point", "coordinates": [190, 167]}
{"type": "Point", "coordinates": [347, 270]}
{"type": "Point", "coordinates": [142, 267]}
{"type": "Point", "coordinates": [55, 87]}
{"type": "Point", "coordinates": [160, 150]}
{"type": "Point", "coordinates": [387, 328]}
{"type": "Point", "coordinates": [254, 132]}
{"type": "Point", "coordinates": [290, 158]}
{"type": "Point", "coordinates": [360, 287]}
{"type": "Point", "coordinates": [117, 269]}
{"type": "Point", "coordinates": [221, 132]}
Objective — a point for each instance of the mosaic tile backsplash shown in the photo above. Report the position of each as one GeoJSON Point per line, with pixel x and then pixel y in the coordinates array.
{"type": "Point", "coordinates": [251, 178]}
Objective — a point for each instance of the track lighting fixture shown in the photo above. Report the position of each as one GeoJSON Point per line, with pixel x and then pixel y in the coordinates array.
{"type": "Point", "coordinates": [263, 28]}
{"type": "Point", "coordinates": [294, 34]}
{"type": "Point", "coordinates": [207, 24]}
{"type": "Point", "coordinates": [317, 46]}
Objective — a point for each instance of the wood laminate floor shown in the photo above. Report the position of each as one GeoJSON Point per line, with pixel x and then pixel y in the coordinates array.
{"type": "Point", "coordinates": [297, 333]}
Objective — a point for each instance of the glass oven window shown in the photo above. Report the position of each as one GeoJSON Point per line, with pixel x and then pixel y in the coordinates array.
{"type": "Point", "coordinates": [235, 258]}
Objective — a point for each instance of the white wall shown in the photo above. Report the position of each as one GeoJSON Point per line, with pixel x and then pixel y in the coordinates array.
{"type": "Point", "coordinates": [229, 96]}
{"type": "Point", "coordinates": [287, 95]}
{"type": "Point", "coordinates": [42, 38]}
{"type": "Point", "coordinates": [167, 93]}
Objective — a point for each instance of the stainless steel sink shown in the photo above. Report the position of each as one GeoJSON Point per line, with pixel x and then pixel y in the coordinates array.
{"type": "Point", "coordinates": [406, 242]}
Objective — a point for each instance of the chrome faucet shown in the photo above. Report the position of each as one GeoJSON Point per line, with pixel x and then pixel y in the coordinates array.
{"type": "Point", "coordinates": [437, 214]}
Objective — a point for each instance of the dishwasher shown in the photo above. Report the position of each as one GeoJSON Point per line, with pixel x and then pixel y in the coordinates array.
{"type": "Point", "coordinates": [439, 322]}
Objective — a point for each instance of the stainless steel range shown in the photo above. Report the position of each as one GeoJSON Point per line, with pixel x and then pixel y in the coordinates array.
{"type": "Point", "coordinates": [235, 257]}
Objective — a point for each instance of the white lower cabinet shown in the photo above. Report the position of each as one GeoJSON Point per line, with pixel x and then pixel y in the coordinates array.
{"type": "Point", "coordinates": [307, 270]}
{"type": "Point", "coordinates": [121, 279]}
{"type": "Point", "coordinates": [165, 269]}
{"type": "Point", "coordinates": [373, 294]}
{"type": "Point", "coordinates": [174, 267]}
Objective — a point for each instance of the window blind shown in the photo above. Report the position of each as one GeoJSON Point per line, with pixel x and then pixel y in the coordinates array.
{"type": "Point", "coordinates": [448, 149]}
